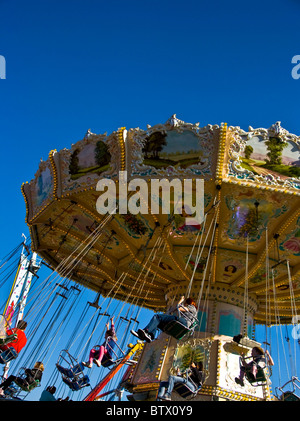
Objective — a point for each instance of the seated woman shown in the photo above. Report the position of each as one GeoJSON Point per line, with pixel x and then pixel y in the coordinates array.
{"type": "Point", "coordinates": [187, 315]}
{"type": "Point", "coordinates": [258, 361]}
{"type": "Point", "coordinates": [104, 349]}
{"type": "Point", "coordinates": [193, 381]}
{"type": "Point", "coordinates": [32, 375]}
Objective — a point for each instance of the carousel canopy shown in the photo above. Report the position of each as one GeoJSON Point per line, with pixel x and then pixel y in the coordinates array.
{"type": "Point", "coordinates": [249, 237]}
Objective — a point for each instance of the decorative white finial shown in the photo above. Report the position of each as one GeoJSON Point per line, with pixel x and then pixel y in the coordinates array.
{"type": "Point", "coordinates": [276, 129]}
{"type": "Point", "coordinates": [88, 134]}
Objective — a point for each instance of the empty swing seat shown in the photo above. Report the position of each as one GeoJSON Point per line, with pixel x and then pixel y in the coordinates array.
{"type": "Point", "coordinates": [289, 396]}
{"type": "Point", "coordinates": [8, 355]}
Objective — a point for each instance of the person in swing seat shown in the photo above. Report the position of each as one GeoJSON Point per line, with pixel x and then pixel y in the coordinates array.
{"type": "Point", "coordinates": [32, 374]}
{"type": "Point", "coordinates": [98, 354]}
{"type": "Point", "coordinates": [19, 343]}
{"type": "Point", "coordinates": [187, 315]}
{"type": "Point", "coordinates": [194, 379]}
{"type": "Point", "coordinates": [259, 360]}
{"type": "Point", "coordinates": [21, 340]}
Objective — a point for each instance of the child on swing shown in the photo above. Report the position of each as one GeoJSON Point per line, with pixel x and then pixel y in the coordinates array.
{"type": "Point", "coordinates": [259, 359]}
{"type": "Point", "coordinates": [97, 355]}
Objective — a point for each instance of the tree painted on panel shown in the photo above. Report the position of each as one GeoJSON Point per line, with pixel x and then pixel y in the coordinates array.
{"type": "Point", "coordinates": [248, 151]}
{"type": "Point", "coordinates": [275, 147]}
{"type": "Point", "coordinates": [74, 162]}
{"type": "Point", "coordinates": [102, 155]}
{"type": "Point", "coordinates": [154, 144]}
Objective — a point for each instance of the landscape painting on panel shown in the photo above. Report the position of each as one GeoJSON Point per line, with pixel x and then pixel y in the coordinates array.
{"type": "Point", "coordinates": [272, 157]}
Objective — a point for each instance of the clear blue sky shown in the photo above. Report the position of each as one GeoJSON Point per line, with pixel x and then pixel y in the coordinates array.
{"type": "Point", "coordinates": [72, 65]}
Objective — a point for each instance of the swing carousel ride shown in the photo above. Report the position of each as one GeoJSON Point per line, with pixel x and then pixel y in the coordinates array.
{"type": "Point", "coordinates": [241, 264]}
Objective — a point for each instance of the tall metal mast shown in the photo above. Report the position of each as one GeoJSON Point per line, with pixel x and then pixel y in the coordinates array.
{"type": "Point", "coordinates": [27, 268]}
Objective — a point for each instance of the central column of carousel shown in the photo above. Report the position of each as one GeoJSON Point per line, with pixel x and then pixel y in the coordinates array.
{"type": "Point", "coordinates": [223, 317]}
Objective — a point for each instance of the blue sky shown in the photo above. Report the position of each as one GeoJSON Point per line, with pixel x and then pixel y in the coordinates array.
{"type": "Point", "coordinates": [72, 65]}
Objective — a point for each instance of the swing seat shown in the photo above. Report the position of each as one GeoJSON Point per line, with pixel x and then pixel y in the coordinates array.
{"type": "Point", "coordinates": [72, 385]}
{"type": "Point", "coordinates": [84, 381]}
{"type": "Point", "coordinates": [176, 329]}
{"type": "Point", "coordinates": [8, 339]}
{"type": "Point", "coordinates": [10, 391]}
{"type": "Point", "coordinates": [77, 370]}
{"type": "Point", "coordinates": [22, 382]}
{"type": "Point", "coordinates": [65, 371]}
{"type": "Point", "coordinates": [73, 376]}
{"type": "Point", "coordinates": [71, 372]}
{"type": "Point", "coordinates": [8, 355]}
{"type": "Point", "coordinates": [77, 384]}
{"type": "Point", "coordinates": [184, 391]}
{"type": "Point", "coordinates": [107, 361]}
{"type": "Point", "coordinates": [260, 378]}
{"type": "Point", "coordinates": [262, 375]}
{"type": "Point", "coordinates": [27, 387]}
{"type": "Point", "coordinates": [289, 396]}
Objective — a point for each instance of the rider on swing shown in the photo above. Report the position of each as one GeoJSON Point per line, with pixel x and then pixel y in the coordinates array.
{"type": "Point", "coordinates": [258, 361]}
{"type": "Point", "coordinates": [187, 315]}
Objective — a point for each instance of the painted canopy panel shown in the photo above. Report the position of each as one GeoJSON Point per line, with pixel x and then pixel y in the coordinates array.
{"type": "Point", "coordinates": [251, 201]}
